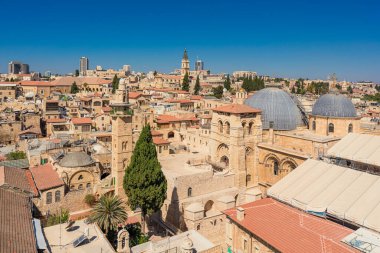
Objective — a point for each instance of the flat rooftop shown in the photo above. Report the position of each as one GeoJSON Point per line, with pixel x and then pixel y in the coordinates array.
{"type": "Point", "coordinates": [59, 240]}
{"type": "Point", "coordinates": [175, 165]}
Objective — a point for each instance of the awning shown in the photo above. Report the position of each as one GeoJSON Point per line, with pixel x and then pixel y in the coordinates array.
{"type": "Point", "coordinates": [41, 243]}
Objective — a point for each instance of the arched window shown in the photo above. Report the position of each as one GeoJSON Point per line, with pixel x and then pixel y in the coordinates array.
{"type": "Point", "coordinates": [275, 168]}
{"type": "Point", "coordinates": [249, 178]}
{"type": "Point", "coordinates": [198, 226]}
{"type": "Point", "coordinates": [331, 128]}
{"type": "Point", "coordinates": [80, 187]}
{"type": "Point", "coordinates": [243, 125]}
{"type": "Point", "coordinates": [57, 196]}
{"type": "Point", "coordinates": [170, 135]}
{"type": "Point", "coordinates": [350, 128]}
{"type": "Point", "coordinates": [250, 128]}
{"type": "Point", "coordinates": [189, 192]}
{"type": "Point", "coordinates": [314, 125]}
{"type": "Point", "coordinates": [220, 127]}
{"type": "Point", "coordinates": [88, 185]}
{"type": "Point", "coordinates": [80, 177]}
{"type": "Point", "coordinates": [227, 127]}
{"type": "Point", "coordinates": [49, 198]}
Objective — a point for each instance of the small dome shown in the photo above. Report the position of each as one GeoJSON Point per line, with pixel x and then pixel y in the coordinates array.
{"type": "Point", "coordinates": [187, 244]}
{"type": "Point", "coordinates": [76, 159]}
{"type": "Point", "coordinates": [334, 105]}
{"type": "Point", "coordinates": [277, 106]}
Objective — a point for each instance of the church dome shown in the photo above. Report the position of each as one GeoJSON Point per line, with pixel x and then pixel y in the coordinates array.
{"type": "Point", "coordinates": [76, 159]}
{"type": "Point", "coordinates": [334, 105]}
{"type": "Point", "coordinates": [277, 106]}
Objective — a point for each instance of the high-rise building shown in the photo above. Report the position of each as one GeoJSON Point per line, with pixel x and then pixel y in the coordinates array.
{"type": "Point", "coordinates": [185, 64]}
{"type": "Point", "coordinates": [16, 67]}
{"type": "Point", "coordinates": [127, 68]}
{"type": "Point", "coordinates": [198, 65]}
{"type": "Point", "coordinates": [83, 66]}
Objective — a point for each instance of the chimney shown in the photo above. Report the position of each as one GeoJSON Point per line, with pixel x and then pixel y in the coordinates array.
{"type": "Point", "coordinates": [240, 213]}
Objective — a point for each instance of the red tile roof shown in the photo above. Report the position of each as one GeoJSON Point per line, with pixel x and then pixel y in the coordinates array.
{"type": "Point", "coordinates": [156, 133]}
{"type": "Point", "coordinates": [181, 101]}
{"type": "Point", "coordinates": [160, 141]}
{"type": "Point", "coordinates": [80, 121]}
{"type": "Point", "coordinates": [16, 228]}
{"type": "Point", "coordinates": [196, 97]}
{"type": "Point", "coordinates": [46, 177]}
{"type": "Point", "coordinates": [236, 108]}
{"type": "Point", "coordinates": [35, 83]}
{"type": "Point", "coordinates": [17, 178]}
{"type": "Point", "coordinates": [134, 95]}
{"type": "Point", "coordinates": [290, 230]}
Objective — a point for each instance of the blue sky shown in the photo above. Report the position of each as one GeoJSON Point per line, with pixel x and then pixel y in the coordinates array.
{"type": "Point", "coordinates": [280, 38]}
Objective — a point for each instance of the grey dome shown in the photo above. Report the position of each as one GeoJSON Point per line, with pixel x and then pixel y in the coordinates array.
{"type": "Point", "coordinates": [276, 106]}
{"type": "Point", "coordinates": [76, 159]}
{"type": "Point", "coordinates": [333, 105]}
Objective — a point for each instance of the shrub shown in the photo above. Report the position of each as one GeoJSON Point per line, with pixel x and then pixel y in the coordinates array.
{"type": "Point", "coordinates": [90, 199]}
{"type": "Point", "coordinates": [55, 219]}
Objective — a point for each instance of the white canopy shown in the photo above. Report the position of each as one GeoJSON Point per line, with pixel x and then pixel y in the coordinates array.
{"type": "Point", "coordinates": [358, 147]}
{"type": "Point", "coordinates": [317, 186]}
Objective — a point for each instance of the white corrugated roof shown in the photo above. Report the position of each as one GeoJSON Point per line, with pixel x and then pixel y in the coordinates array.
{"type": "Point", "coordinates": [363, 148]}
{"type": "Point", "coordinates": [317, 186]}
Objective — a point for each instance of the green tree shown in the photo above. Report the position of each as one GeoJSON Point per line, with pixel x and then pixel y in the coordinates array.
{"type": "Point", "coordinates": [89, 199]}
{"type": "Point", "coordinates": [186, 82]}
{"type": "Point", "coordinates": [115, 84]}
{"type": "Point", "coordinates": [74, 88]}
{"type": "Point", "coordinates": [109, 212]}
{"type": "Point", "coordinates": [16, 155]}
{"type": "Point", "coordinates": [155, 73]}
{"type": "Point", "coordinates": [349, 89]}
{"type": "Point", "coordinates": [218, 91]}
{"type": "Point", "coordinates": [144, 181]}
{"type": "Point", "coordinates": [197, 87]}
{"type": "Point", "coordinates": [227, 83]}
{"type": "Point", "coordinates": [58, 218]}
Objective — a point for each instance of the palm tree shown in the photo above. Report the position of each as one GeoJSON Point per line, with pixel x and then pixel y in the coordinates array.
{"type": "Point", "coordinates": [109, 212]}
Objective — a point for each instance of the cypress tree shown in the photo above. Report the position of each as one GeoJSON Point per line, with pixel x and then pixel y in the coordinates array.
{"type": "Point", "coordinates": [197, 87]}
{"type": "Point", "coordinates": [74, 88]}
{"type": "Point", "coordinates": [186, 82]}
{"type": "Point", "coordinates": [115, 84]}
{"type": "Point", "coordinates": [227, 83]}
{"type": "Point", "coordinates": [144, 181]}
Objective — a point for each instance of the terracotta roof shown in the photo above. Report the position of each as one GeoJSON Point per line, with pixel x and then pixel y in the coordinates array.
{"type": "Point", "coordinates": [156, 133]}
{"type": "Point", "coordinates": [196, 97]}
{"type": "Point", "coordinates": [17, 178]}
{"type": "Point", "coordinates": [45, 177]}
{"type": "Point", "coordinates": [35, 83]}
{"type": "Point", "coordinates": [160, 141]}
{"type": "Point", "coordinates": [79, 121]}
{"type": "Point", "coordinates": [68, 80]}
{"type": "Point", "coordinates": [164, 118]}
{"type": "Point", "coordinates": [181, 101]}
{"type": "Point", "coordinates": [17, 232]}
{"type": "Point", "coordinates": [134, 95]}
{"type": "Point", "coordinates": [206, 116]}
{"type": "Point", "coordinates": [55, 120]}
{"type": "Point", "coordinates": [236, 108]}
{"type": "Point", "coordinates": [290, 230]}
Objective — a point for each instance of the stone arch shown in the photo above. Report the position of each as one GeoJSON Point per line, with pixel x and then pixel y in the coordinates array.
{"type": "Point", "coordinates": [331, 128]}
{"type": "Point", "coordinates": [122, 240]}
{"type": "Point", "coordinates": [86, 177]}
{"type": "Point", "coordinates": [244, 126]}
{"type": "Point", "coordinates": [227, 127]}
{"type": "Point", "coordinates": [170, 134]}
{"type": "Point", "coordinates": [222, 150]}
{"type": "Point", "coordinates": [272, 162]}
{"type": "Point", "coordinates": [287, 165]}
{"type": "Point", "coordinates": [350, 128]}
{"type": "Point", "coordinates": [220, 126]}
{"type": "Point", "coordinates": [250, 127]}
{"type": "Point", "coordinates": [225, 160]}
{"type": "Point", "coordinates": [209, 206]}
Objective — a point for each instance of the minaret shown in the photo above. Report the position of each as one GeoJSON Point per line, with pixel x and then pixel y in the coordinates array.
{"type": "Point", "coordinates": [185, 64]}
{"type": "Point", "coordinates": [121, 137]}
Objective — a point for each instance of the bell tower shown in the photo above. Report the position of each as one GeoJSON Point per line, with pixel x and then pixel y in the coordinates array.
{"type": "Point", "coordinates": [121, 137]}
{"type": "Point", "coordinates": [185, 64]}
